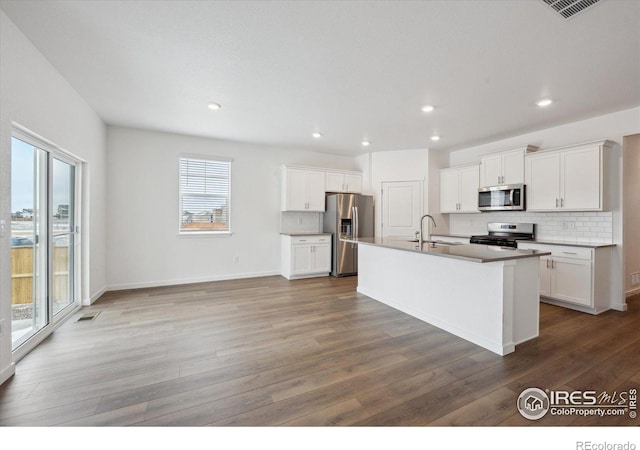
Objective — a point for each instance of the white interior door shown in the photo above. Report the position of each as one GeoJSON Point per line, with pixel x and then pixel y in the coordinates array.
{"type": "Point", "coordinates": [401, 208]}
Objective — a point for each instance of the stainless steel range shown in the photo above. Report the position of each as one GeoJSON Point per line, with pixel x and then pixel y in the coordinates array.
{"type": "Point", "coordinates": [505, 234]}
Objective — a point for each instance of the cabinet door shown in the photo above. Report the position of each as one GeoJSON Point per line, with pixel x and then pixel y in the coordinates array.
{"type": "Point", "coordinates": [513, 167]}
{"type": "Point", "coordinates": [580, 187]}
{"type": "Point", "coordinates": [315, 198]}
{"type": "Point", "coordinates": [321, 258]}
{"type": "Point", "coordinates": [469, 183]}
{"type": "Point", "coordinates": [491, 170]}
{"type": "Point", "coordinates": [543, 182]}
{"type": "Point", "coordinates": [334, 182]}
{"type": "Point", "coordinates": [449, 191]}
{"type": "Point", "coordinates": [301, 261]}
{"type": "Point", "coordinates": [571, 280]}
{"type": "Point", "coordinates": [545, 276]}
{"type": "Point", "coordinates": [353, 183]}
{"type": "Point", "coordinates": [297, 187]}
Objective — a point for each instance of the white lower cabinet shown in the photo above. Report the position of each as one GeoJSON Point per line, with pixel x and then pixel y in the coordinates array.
{"type": "Point", "coordinates": [566, 279]}
{"type": "Point", "coordinates": [574, 277]}
{"type": "Point", "coordinates": [305, 256]}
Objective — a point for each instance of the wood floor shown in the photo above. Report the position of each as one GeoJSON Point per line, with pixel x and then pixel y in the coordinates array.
{"type": "Point", "coordinates": [268, 351]}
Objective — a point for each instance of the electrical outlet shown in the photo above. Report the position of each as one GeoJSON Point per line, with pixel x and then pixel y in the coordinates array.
{"type": "Point", "coordinates": [635, 278]}
{"type": "Point", "coordinates": [564, 225]}
{"type": "Point", "coordinates": [236, 259]}
{"type": "Point", "coordinates": [3, 227]}
{"type": "Point", "coordinates": [572, 225]}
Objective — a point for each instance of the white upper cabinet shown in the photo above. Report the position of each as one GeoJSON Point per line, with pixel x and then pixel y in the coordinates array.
{"type": "Point", "coordinates": [491, 170]}
{"type": "Point", "coordinates": [543, 182]}
{"type": "Point", "coordinates": [343, 182]}
{"type": "Point", "coordinates": [504, 167]}
{"type": "Point", "coordinates": [302, 189]}
{"type": "Point", "coordinates": [581, 183]}
{"type": "Point", "coordinates": [459, 189]}
{"type": "Point", "coordinates": [569, 179]}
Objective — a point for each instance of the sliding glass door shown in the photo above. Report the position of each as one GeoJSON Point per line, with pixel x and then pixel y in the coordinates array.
{"type": "Point", "coordinates": [63, 235]}
{"type": "Point", "coordinates": [43, 240]}
{"type": "Point", "coordinates": [29, 241]}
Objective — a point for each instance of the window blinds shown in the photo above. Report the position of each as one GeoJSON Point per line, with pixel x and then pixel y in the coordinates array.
{"type": "Point", "coordinates": [205, 194]}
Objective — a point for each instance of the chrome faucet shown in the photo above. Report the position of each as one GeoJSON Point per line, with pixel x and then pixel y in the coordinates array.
{"type": "Point", "coordinates": [420, 240]}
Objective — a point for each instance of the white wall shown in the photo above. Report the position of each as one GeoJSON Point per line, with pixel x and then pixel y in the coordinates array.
{"type": "Point", "coordinates": [398, 165]}
{"type": "Point", "coordinates": [406, 165]}
{"type": "Point", "coordinates": [437, 161]}
{"type": "Point", "coordinates": [35, 96]}
{"type": "Point", "coordinates": [612, 127]}
{"type": "Point", "coordinates": [144, 248]}
{"type": "Point", "coordinates": [631, 210]}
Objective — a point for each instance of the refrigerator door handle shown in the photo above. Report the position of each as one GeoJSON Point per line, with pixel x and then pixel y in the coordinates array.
{"type": "Point", "coordinates": [353, 225]}
{"type": "Point", "coordinates": [357, 223]}
{"type": "Point", "coordinates": [353, 221]}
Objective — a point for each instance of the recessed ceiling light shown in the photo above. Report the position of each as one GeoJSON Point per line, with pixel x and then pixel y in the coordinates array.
{"type": "Point", "coordinates": [544, 102]}
{"type": "Point", "coordinates": [365, 143]}
{"type": "Point", "coordinates": [214, 105]}
{"type": "Point", "coordinates": [435, 137]}
{"type": "Point", "coordinates": [316, 135]}
{"type": "Point", "coordinates": [428, 108]}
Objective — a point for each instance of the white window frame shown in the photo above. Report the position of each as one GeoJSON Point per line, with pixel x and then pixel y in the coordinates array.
{"type": "Point", "coordinates": [182, 232]}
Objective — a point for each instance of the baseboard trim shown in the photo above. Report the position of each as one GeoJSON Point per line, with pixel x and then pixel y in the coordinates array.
{"type": "Point", "coordinates": [619, 306]}
{"type": "Point", "coordinates": [91, 300]}
{"type": "Point", "coordinates": [632, 292]}
{"type": "Point", "coordinates": [7, 373]}
{"type": "Point", "coordinates": [160, 283]}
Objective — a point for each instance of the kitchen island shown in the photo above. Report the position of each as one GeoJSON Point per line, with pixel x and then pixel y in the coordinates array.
{"type": "Point", "coordinates": [485, 294]}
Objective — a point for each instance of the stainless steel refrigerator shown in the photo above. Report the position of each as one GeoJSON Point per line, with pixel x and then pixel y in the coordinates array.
{"type": "Point", "coordinates": [347, 216]}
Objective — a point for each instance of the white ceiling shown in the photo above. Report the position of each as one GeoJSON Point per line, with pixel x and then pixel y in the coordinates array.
{"type": "Point", "coordinates": [349, 69]}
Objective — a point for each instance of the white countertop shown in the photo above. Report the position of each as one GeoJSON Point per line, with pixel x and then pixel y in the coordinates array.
{"type": "Point", "coordinates": [469, 252]}
{"type": "Point", "coordinates": [304, 233]}
{"type": "Point", "coordinates": [570, 243]}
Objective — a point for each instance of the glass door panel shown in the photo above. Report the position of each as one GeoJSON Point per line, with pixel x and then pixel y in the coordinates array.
{"type": "Point", "coordinates": [29, 241]}
{"type": "Point", "coordinates": [62, 234]}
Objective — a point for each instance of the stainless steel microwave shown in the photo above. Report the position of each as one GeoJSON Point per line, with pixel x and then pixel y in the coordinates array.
{"type": "Point", "coordinates": [510, 197]}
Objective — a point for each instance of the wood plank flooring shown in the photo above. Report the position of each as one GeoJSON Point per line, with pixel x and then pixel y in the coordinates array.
{"type": "Point", "coordinates": [268, 351]}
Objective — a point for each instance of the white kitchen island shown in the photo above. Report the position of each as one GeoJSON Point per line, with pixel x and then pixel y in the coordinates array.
{"type": "Point", "coordinates": [485, 294]}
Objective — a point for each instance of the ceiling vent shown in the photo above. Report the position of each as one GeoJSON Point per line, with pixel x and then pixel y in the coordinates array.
{"type": "Point", "coordinates": [569, 8]}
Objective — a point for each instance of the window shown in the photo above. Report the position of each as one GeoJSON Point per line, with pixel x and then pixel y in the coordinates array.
{"type": "Point", "coordinates": [205, 195]}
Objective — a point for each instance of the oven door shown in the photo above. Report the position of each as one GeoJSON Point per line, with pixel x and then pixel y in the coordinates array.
{"type": "Point", "coordinates": [501, 198]}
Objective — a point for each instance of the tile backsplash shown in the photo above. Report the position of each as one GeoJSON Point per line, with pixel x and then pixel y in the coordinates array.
{"type": "Point", "coordinates": [299, 222]}
{"type": "Point", "coordinates": [591, 227]}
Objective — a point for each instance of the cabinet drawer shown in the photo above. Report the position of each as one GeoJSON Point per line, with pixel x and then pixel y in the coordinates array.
{"type": "Point", "coordinates": [561, 251]}
{"type": "Point", "coordinates": [322, 239]}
